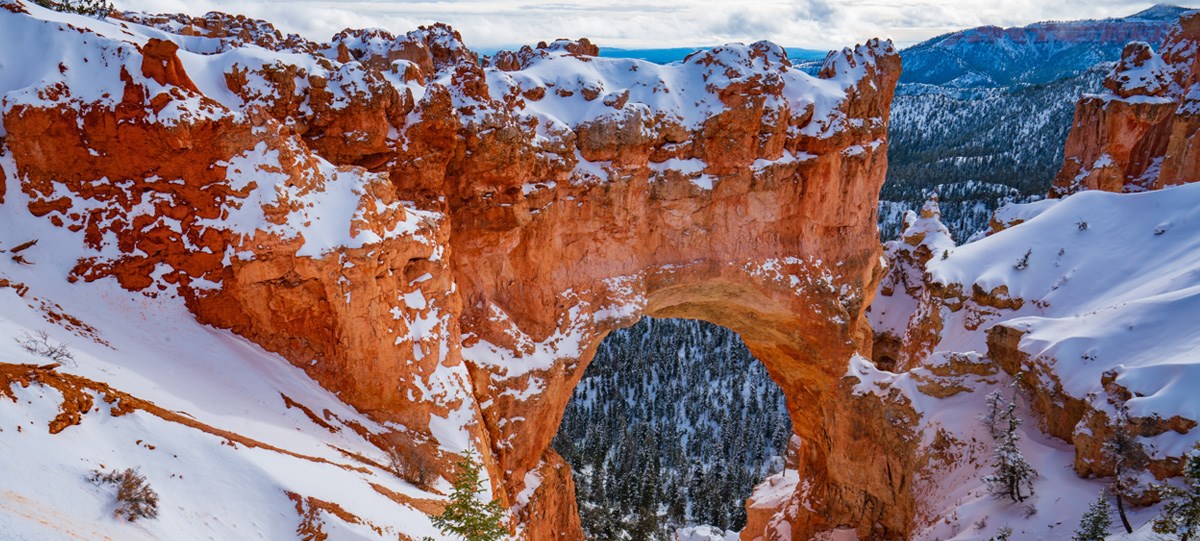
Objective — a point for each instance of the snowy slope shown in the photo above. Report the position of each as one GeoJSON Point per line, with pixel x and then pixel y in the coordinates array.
{"type": "Point", "coordinates": [238, 443]}
{"type": "Point", "coordinates": [1112, 285]}
{"type": "Point", "coordinates": [212, 485]}
{"type": "Point", "coordinates": [1107, 286]}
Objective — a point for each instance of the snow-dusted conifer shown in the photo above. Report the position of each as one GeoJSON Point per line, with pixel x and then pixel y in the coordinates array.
{"type": "Point", "coordinates": [95, 8]}
{"type": "Point", "coordinates": [1011, 472]}
{"type": "Point", "coordinates": [1181, 514]}
{"type": "Point", "coordinates": [466, 516]}
{"type": "Point", "coordinates": [1128, 459]}
{"type": "Point", "coordinates": [1095, 522]}
{"type": "Point", "coordinates": [994, 413]}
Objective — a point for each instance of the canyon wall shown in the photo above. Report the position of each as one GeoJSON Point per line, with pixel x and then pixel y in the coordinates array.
{"type": "Point", "coordinates": [1141, 133]}
{"type": "Point", "coordinates": [443, 241]}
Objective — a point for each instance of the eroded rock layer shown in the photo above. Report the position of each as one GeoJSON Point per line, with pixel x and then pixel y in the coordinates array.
{"type": "Point", "coordinates": [1083, 299]}
{"type": "Point", "coordinates": [444, 241]}
{"type": "Point", "coordinates": [1141, 133]}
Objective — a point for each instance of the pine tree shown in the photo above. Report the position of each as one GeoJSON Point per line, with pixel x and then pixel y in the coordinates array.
{"type": "Point", "coordinates": [466, 516]}
{"type": "Point", "coordinates": [994, 413]}
{"type": "Point", "coordinates": [1095, 522]}
{"type": "Point", "coordinates": [1128, 458]}
{"type": "Point", "coordinates": [1181, 514]}
{"type": "Point", "coordinates": [1011, 471]}
{"type": "Point", "coordinates": [698, 503]}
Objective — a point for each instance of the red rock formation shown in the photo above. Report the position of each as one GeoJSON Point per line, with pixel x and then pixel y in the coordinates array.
{"type": "Point", "coordinates": [160, 63]}
{"type": "Point", "coordinates": [749, 254]}
{"type": "Point", "coordinates": [231, 30]}
{"type": "Point", "coordinates": [902, 340]}
{"type": "Point", "coordinates": [1141, 134]}
{"type": "Point", "coordinates": [522, 58]}
{"type": "Point", "coordinates": [1076, 419]}
{"type": "Point", "coordinates": [535, 232]}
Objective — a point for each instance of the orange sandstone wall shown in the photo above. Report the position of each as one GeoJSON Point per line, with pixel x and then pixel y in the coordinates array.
{"type": "Point", "coordinates": [1141, 134]}
{"type": "Point", "coordinates": [507, 215]}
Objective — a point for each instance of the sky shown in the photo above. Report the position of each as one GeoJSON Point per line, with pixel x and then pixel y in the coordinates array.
{"type": "Point", "coordinates": [812, 24]}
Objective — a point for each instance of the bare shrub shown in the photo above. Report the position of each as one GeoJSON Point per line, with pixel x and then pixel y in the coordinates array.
{"type": "Point", "coordinates": [407, 462]}
{"type": "Point", "coordinates": [1023, 263]}
{"type": "Point", "coordinates": [135, 498]}
{"type": "Point", "coordinates": [39, 344]}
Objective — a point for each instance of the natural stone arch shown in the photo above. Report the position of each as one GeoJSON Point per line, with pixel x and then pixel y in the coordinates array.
{"type": "Point", "coordinates": [758, 213]}
{"type": "Point", "coordinates": [851, 456]}
{"type": "Point", "coordinates": [787, 256]}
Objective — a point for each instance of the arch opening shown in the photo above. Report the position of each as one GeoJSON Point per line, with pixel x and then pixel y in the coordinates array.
{"type": "Point", "coordinates": [842, 467]}
{"type": "Point", "coordinates": [671, 427]}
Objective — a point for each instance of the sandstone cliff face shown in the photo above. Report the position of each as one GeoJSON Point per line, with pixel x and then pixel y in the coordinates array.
{"type": "Point", "coordinates": [444, 242]}
{"type": "Point", "coordinates": [1141, 134]}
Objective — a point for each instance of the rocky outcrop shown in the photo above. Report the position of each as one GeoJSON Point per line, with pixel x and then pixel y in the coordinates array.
{"type": "Point", "coordinates": [177, 194]}
{"type": "Point", "coordinates": [908, 323]}
{"type": "Point", "coordinates": [1141, 134]}
{"type": "Point", "coordinates": [444, 244]}
{"type": "Point", "coordinates": [160, 63]}
{"type": "Point", "coordinates": [1070, 293]}
{"type": "Point", "coordinates": [227, 31]}
{"type": "Point", "coordinates": [1083, 422]}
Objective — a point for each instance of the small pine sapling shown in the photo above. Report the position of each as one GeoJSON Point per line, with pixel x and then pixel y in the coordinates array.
{"type": "Point", "coordinates": [1095, 522]}
{"type": "Point", "coordinates": [466, 516]}
{"type": "Point", "coordinates": [994, 413]}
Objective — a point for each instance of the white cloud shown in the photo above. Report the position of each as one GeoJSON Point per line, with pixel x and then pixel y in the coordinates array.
{"type": "Point", "coordinates": [815, 24]}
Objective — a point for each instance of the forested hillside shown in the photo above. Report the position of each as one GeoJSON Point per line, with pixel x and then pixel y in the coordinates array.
{"type": "Point", "coordinates": [978, 148]}
{"type": "Point", "coordinates": [980, 115]}
{"type": "Point", "coordinates": [673, 424]}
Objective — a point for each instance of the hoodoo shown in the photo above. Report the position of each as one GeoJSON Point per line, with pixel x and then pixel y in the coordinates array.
{"type": "Point", "coordinates": [1140, 134]}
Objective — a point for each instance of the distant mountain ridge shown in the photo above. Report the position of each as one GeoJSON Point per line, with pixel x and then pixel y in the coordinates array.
{"type": "Point", "coordinates": [980, 115]}
{"type": "Point", "coordinates": [990, 56]}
